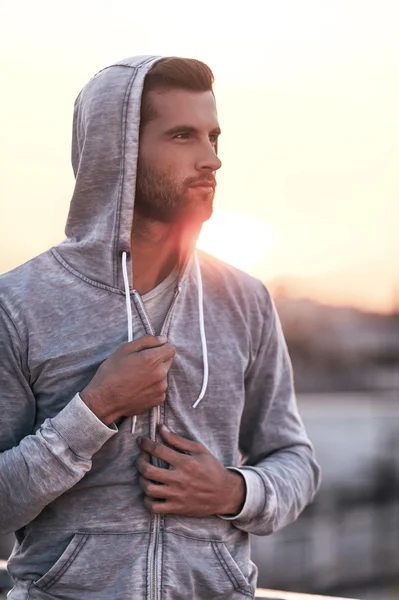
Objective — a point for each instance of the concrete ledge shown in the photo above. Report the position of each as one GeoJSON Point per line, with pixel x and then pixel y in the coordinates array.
{"type": "Point", "coordinates": [280, 595]}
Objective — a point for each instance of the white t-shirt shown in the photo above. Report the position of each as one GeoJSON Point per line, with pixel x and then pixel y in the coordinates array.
{"type": "Point", "coordinates": [158, 300]}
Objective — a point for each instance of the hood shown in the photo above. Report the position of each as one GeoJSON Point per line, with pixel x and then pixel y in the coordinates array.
{"type": "Point", "coordinates": [104, 158]}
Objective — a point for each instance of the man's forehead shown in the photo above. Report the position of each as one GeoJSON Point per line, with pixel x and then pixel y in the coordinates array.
{"type": "Point", "coordinates": [178, 104]}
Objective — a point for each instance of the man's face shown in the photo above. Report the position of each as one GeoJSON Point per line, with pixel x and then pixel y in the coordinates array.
{"type": "Point", "coordinates": [177, 157]}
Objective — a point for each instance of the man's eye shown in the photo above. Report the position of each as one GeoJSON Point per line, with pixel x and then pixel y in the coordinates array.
{"type": "Point", "coordinates": [213, 138]}
{"type": "Point", "coordinates": [182, 136]}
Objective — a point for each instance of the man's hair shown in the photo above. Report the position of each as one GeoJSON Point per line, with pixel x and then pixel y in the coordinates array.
{"type": "Point", "coordinates": [174, 73]}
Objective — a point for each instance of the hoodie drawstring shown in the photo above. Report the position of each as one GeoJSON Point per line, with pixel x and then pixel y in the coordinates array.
{"type": "Point", "coordinates": [202, 332]}
{"type": "Point", "coordinates": [127, 296]}
{"type": "Point", "coordinates": [129, 315]}
{"type": "Point", "coordinates": [201, 324]}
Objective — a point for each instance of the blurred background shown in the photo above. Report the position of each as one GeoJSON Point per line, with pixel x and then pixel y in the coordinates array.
{"type": "Point", "coordinates": [307, 201]}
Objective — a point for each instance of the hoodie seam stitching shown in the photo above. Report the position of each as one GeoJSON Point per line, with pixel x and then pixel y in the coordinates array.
{"type": "Point", "coordinates": [147, 564]}
{"type": "Point", "coordinates": [66, 566]}
{"type": "Point", "coordinates": [122, 66]}
{"type": "Point", "coordinates": [125, 106]}
{"type": "Point", "coordinates": [93, 532]}
{"type": "Point", "coordinates": [273, 323]}
{"type": "Point", "coordinates": [194, 538]}
{"type": "Point", "coordinates": [12, 322]}
{"type": "Point", "coordinates": [225, 566]}
{"type": "Point", "coordinates": [142, 65]}
{"type": "Point", "coordinates": [269, 334]}
{"type": "Point", "coordinates": [229, 572]}
{"type": "Point", "coordinates": [87, 280]}
{"type": "Point", "coordinates": [25, 361]}
{"type": "Point", "coordinates": [162, 563]}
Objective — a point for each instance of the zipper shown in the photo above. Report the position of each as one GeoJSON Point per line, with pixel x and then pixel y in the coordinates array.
{"type": "Point", "coordinates": [155, 422]}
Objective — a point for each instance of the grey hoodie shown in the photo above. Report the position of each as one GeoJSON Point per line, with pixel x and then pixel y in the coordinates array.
{"type": "Point", "coordinates": [68, 484]}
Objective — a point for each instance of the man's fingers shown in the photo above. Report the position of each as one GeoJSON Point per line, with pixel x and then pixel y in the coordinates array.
{"type": "Point", "coordinates": [160, 451]}
{"type": "Point", "coordinates": [181, 443]}
{"type": "Point", "coordinates": [159, 507]}
{"type": "Point", "coordinates": [151, 472]}
{"type": "Point", "coordinates": [143, 457]}
{"type": "Point", "coordinates": [155, 348]}
{"type": "Point", "coordinates": [161, 353]}
{"type": "Point", "coordinates": [146, 342]}
{"type": "Point", "coordinates": [153, 490]}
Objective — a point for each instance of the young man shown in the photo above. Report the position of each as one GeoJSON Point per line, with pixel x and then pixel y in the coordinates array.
{"type": "Point", "coordinates": [137, 470]}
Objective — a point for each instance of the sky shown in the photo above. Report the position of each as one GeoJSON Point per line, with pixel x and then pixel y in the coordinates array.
{"type": "Point", "coordinates": [308, 96]}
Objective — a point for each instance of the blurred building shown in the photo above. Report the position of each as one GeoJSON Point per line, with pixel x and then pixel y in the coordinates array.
{"type": "Point", "coordinates": [340, 348]}
{"type": "Point", "coordinates": [348, 538]}
{"type": "Point", "coordinates": [346, 364]}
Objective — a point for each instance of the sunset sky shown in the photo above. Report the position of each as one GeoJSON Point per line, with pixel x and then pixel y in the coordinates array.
{"type": "Point", "coordinates": [308, 96]}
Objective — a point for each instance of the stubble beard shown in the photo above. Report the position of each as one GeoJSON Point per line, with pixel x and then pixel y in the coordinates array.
{"type": "Point", "coordinates": [160, 197]}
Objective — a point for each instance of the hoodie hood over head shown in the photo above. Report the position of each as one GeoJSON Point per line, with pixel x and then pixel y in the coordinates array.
{"type": "Point", "coordinates": [105, 147]}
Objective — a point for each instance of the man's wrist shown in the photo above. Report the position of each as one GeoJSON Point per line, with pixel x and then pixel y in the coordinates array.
{"type": "Point", "coordinates": [96, 407]}
{"type": "Point", "coordinates": [235, 493]}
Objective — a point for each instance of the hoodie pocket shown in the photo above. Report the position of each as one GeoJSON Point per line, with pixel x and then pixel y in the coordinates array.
{"type": "Point", "coordinates": [201, 569]}
{"type": "Point", "coordinates": [97, 566]}
{"type": "Point", "coordinates": [64, 562]}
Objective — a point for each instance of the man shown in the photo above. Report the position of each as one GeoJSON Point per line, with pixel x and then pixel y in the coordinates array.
{"type": "Point", "coordinates": [136, 469]}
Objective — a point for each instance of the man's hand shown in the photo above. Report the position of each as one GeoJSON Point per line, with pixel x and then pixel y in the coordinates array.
{"type": "Point", "coordinates": [196, 483]}
{"type": "Point", "coordinates": [131, 381]}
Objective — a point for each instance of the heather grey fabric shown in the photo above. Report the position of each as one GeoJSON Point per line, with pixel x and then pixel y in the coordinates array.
{"type": "Point", "coordinates": [68, 485]}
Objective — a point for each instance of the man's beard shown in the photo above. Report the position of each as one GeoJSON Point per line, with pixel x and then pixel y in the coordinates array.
{"type": "Point", "coordinates": [160, 197]}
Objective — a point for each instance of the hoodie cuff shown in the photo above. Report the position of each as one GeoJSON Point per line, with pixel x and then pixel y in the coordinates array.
{"type": "Point", "coordinates": [255, 500]}
{"type": "Point", "coordinates": [84, 433]}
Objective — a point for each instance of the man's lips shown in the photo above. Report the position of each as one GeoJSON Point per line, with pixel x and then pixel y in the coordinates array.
{"type": "Point", "coordinates": [204, 184]}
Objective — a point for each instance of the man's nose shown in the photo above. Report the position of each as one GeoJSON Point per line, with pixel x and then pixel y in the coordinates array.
{"type": "Point", "coordinates": [209, 160]}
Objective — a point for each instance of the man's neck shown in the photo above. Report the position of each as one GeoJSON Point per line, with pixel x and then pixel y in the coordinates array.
{"type": "Point", "coordinates": [155, 252]}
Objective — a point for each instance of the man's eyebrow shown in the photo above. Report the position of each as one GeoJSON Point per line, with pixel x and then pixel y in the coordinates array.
{"type": "Point", "coordinates": [189, 129]}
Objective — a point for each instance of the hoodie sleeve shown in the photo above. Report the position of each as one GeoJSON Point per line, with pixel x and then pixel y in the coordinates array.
{"type": "Point", "coordinates": [279, 466]}
{"type": "Point", "coordinates": [36, 469]}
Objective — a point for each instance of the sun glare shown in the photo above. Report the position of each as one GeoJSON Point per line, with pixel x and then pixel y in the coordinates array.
{"type": "Point", "coordinates": [237, 239]}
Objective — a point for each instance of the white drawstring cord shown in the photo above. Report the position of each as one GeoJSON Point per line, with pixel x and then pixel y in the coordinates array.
{"type": "Point", "coordinates": [201, 325]}
{"type": "Point", "coordinates": [127, 297]}
{"type": "Point", "coordinates": [202, 331]}
{"type": "Point", "coordinates": [129, 314]}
